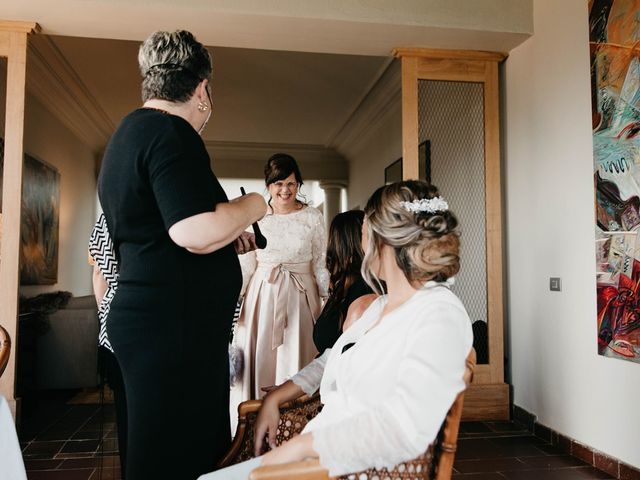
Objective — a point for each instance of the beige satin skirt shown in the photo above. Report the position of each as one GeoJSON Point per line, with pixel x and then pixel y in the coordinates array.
{"type": "Point", "coordinates": [275, 329]}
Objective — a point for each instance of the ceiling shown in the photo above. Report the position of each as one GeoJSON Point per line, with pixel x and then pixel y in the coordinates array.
{"type": "Point", "coordinates": [259, 96]}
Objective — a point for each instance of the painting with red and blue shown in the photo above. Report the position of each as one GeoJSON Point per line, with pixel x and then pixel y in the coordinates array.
{"type": "Point", "coordinates": [614, 39]}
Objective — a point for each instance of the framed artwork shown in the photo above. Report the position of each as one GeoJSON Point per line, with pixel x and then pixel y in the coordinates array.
{"type": "Point", "coordinates": [615, 115]}
{"type": "Point", "coordinates": [393, 173]}
{"type": "Point", "coordinates": [39, 221]}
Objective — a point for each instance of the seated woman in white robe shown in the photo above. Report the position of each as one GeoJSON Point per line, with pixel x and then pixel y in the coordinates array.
{"type": "Point", "coordinates": [390, 379]}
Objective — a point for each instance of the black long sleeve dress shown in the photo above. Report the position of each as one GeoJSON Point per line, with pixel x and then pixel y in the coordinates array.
{"type": "Point", "coordinates": [170, 320]}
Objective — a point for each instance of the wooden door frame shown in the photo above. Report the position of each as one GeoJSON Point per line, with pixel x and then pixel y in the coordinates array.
{"type": "Point", "coordinates": [488, 396]}
{"type": "Point", "coordinates": [13, 47]}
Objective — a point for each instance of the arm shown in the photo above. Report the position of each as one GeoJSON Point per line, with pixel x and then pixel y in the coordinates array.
{"type": "Point", "coordinates": [209, 231]}
{"type": "Point", "coordinates": [319, 254]}
{"type": "Point", "coordinates": [306, 381]}
{"type": "Point", "coordinates": [269, 414]}
{"type": "Point", "coordinates": [99, 284]}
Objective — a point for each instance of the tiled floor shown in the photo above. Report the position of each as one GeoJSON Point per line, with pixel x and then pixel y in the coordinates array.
{"type": "Point", "coordinates": [68, 442]}
{"type": "Point", "coordinates": [506, 450]}
{"type": "Point", "coordinates": [63, 442]}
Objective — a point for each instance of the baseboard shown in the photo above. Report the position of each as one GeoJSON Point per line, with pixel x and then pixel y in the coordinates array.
{"type": "Point", "coordinates": [486, 402]}
{"type": "Point", "coordinates": [590, 455]}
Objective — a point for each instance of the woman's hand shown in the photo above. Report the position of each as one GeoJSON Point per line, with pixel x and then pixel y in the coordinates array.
{"type": "Point", "coordinates": [266, 424]}
{"type": "Point", "coordinates": [294, 450]}
{"type": "Point", "coordinates": [245, 243]}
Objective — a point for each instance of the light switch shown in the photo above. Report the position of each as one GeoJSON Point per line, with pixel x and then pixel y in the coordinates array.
{"type": "Point", "coordinates": [554, 284]}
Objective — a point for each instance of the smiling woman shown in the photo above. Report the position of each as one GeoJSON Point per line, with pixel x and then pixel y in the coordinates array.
{"type": "Point", "coordinates": [284, 286]}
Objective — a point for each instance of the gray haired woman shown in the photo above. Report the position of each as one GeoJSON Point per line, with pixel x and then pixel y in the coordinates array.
{"type": "Point", "coordinates": [176, 238]}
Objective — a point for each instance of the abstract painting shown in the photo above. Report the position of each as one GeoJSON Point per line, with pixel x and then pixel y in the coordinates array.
{"type": "Point", "coordinates": [38, 221]}
{"type": "Point", "coordinates": [614, 38]}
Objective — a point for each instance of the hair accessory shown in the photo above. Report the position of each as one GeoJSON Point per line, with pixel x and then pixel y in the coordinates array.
{"type": "Point", "coordinates": [203, 107]}
{"type": "Point", "coordinates": [429, 205]}
{"type": "Point", "coordinates": [176, 66]}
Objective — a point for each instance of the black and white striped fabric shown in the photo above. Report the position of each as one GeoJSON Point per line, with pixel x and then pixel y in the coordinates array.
{"type": "Point", "coordinates": [102, 251]}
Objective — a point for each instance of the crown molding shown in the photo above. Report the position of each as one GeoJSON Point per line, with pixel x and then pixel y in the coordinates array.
{"type": "Point", "coordinates": [381, 99]}
{"type": "Point", "coordinates": [19, 27]}
{"type": "Point", "coordinates": [438, 53]}
{"type": "Point", "coordinates": [247, 160]}
{"type": "Point", "coordinates": [55, 84]}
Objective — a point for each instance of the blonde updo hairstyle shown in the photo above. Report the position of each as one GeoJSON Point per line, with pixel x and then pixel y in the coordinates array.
{"type": "Point", "coordinates": [426, 245]}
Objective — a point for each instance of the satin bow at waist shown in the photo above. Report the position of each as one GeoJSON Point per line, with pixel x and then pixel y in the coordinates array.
{"type": "Point", "coordinates": [288, 282]}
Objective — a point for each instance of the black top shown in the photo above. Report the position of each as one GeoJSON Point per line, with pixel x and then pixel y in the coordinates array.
{"type": "Point", "coordinates": [170, 318]}
{"type": "Point", "coordinates": [327, 328]}
{"type": "Point", "coordinates": [156, 172]}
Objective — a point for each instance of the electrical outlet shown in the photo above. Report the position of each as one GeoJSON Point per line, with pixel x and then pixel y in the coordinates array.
{"type": "Point", "coordinates": [554, 284]}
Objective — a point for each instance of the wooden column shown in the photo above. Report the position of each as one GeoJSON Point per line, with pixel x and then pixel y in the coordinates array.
{"type": "Point", "coordinates": [488, 396]}
{"type": "Point", "coordinates": [13, 46]}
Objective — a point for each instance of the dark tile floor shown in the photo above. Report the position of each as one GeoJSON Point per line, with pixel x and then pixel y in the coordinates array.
{"type": "Point", "coordinates": [78, 442]}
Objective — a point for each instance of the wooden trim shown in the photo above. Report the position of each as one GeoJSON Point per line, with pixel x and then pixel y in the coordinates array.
{"type": "Point", "coordinates": [410, 167]}
{"type": "Point", "coordinates": [11, 198]}
{"type": "Point", "coordinates": [449, 54]}
{"type": "Point", "coordinates": [486, 402]}
{"type": "Point", "coordinates": [19, 27]}
{"type": "Point", "coordinates": [453, 70]}
{"type": "Point", "coordinates": [493, 211]}
{"type": "Point", "coordinates": [489, 397]}
{"type": "Point", "coordinates": [5, 42]}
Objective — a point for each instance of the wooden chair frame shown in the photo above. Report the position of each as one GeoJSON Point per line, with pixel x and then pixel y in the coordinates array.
{"type": "Point", "coordinates": [5, 349]}
{"type": "Point", "coordinates": [436, 463]}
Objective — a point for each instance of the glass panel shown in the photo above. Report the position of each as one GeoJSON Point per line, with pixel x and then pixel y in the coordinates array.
{"type": "Point", "coordinates": [451, 136]}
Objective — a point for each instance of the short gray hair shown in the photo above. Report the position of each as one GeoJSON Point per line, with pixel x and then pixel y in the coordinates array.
{"type": "Point", "coordinates": [426, 244]}
{"type": "Point", "coordinates": [172, 65]}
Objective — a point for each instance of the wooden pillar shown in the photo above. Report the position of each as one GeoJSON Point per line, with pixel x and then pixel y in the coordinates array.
{"type": "Point", "coordinates": [488, 396]}
{"type": "Point", "coordinates": [13, 46]}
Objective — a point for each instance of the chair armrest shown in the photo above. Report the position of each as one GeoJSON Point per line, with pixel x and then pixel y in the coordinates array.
{"type": "Point", "coordinates": [304, 470]}
{"type": "Point", "coordinates": [242, 446]}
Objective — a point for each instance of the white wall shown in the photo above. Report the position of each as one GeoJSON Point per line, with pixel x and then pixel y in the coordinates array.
{"type": "Point", "coordinates": [46, 139]}
{"type": "Point", "coordinates": [378, 147]}
{"type": "Point", "coordinates": [555, 369]}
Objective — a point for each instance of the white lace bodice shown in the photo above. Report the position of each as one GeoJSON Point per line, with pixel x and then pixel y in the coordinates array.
{"type": "Point", "coordinates": [297, 237]}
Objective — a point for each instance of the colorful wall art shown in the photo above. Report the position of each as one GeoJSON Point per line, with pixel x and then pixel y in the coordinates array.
{"type": "Point", "coordinates": [615, 92]}
{"type": "Point", "coordinates": [39, 221]}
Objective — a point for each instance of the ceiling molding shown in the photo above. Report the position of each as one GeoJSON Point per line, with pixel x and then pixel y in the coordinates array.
{"type": "Point", "coordinates": [55, 84]}
{"type": "Point", "coordinates": [438, 53]}
{"type": "Point", "coordinates": [20, 27]}
{"type": "Point", "coordinates": [381, 100]}
{"type": "Point", "coordinates": [359, 101]}
{"type": "Point", "coordinates": [247, 160]}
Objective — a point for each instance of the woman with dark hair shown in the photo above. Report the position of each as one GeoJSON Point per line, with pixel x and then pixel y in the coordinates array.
{"type": "Point", "coordinates": [344, 260]}
{"type": "Point", "coordinates": [286, 283]}
{"type": "Point", "coordinates": [176, 239]}
{"type": "Point", "coordinates": [390, 379]}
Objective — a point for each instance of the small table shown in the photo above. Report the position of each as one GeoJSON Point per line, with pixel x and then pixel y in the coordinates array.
{"type": "Point", "coordinates": [11, 462]}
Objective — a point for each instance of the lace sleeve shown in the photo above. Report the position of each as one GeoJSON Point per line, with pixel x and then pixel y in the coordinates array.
{"type": "Point", "coordinates": [248, 264]}
{"type": "Point", "coordinates": [399, 428]}
{"type": "Point", "coordinates": [319, 253]}
{"type": "Point", "coordinates": [309, 378]}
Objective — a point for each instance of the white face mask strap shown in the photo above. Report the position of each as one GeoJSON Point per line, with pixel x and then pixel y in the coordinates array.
{"type": "Point", "coordinates": [206, 88]}
{"type": "Point", "coordinates": [205, 123]}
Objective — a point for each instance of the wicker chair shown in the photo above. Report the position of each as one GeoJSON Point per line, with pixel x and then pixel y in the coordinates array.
{"type": "Point", "coordinates": [5, 349]}
{"type": "Point", "coordinates": [435, 463]}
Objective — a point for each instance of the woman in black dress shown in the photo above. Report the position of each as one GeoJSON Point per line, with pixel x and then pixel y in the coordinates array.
{"type": "Point", "coordinates": [344, 259]}
{"type": "Point", "coordinates": [176, 238]}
